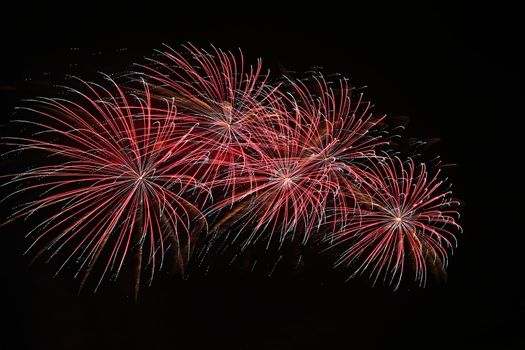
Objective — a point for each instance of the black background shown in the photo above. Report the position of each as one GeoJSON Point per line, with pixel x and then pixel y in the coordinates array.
{"type": "Point", "coordinates": [455, 71]}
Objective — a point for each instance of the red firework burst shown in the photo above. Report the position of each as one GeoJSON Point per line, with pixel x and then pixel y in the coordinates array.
{"type": "Point", "coordinates": [117, 179]}
{"type": "Point", "coordinates": [219, 96]}
{"type": "Point", "coordinates": [309, 161]}
{"type": "Point", "coordinates": [409, 217]}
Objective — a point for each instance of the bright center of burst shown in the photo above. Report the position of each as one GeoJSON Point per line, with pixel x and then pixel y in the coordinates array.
{"type": "Point", "coordinates": [398, 219]}
{"type": "Point", "coordinates": [287, 180]}
{"type": "Point", "coordinates": [225, 124]}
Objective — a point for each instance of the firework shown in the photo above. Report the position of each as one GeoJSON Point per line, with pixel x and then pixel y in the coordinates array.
{"type": "Point", "coordinates": [409, 219]}
{"type": "Point", "coordinates": [221, 97]}
{"type": "Point", "coordinates": [137, 173]}
{"type": "Point", "coordinates": [311, 161]}
{"type": "Point", "coordinates": [116, 183]}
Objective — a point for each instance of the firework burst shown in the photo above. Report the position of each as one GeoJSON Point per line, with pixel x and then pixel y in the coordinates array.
{"type": "Point", "coordinates": [409, 219]}
{"type": "Point", "coordinates": [311, 160]}
{"type": "Point", "coordinates": [221, 97]}
{"type": "Point", "coordinates": [116, 181]}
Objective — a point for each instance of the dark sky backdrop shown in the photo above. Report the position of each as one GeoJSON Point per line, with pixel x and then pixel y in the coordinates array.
{"type": "Point", "coordinates": [454, 71]}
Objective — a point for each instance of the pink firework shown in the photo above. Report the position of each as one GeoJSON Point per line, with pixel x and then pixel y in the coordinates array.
{"type": "Point", "coordinates": [116, 182]}
{"type": "Point", "coordinates": [310, 161]}
{"type": "Point", "coordinates": [409, 219]}
{"type": "Point", "coordinates": [218, 95]}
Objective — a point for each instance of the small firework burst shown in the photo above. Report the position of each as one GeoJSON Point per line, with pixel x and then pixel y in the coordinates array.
{"type": "Point", "coordinates": [408, 219]}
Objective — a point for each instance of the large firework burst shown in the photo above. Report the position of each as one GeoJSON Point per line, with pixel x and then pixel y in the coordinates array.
{"type": "Point", "coordinates": [116, 181]}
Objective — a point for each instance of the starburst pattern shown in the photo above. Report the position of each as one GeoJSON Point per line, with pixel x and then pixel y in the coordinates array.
{"type": "Point", "coordinates": [409, 218]}
{"type": "Point", "coordinates": [117, 180]}
{"type": "Point", "coordinates": [221, 97]}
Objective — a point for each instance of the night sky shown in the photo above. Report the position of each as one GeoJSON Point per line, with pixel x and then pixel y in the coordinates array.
{"type": "Point", "coordinates": [453, 71]}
